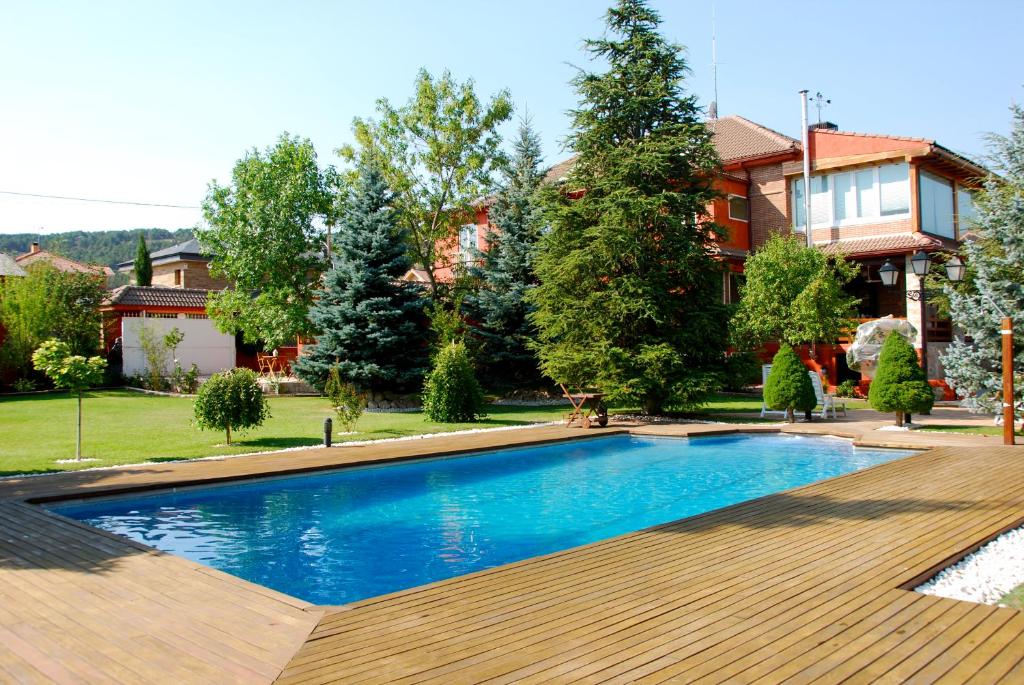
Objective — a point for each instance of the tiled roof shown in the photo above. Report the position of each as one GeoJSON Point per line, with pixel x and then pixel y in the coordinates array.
{"type": "Point", "coordinates": [61, 263]}
{"type": "Point", "coordinates": [158, 296]}
{"type": "Point", "coordinates": [886, 244]}
{"type": "Point", "coordinates": [738, 138]}
{"type": "Point", "coordinates": [9, 267]}
{"type": "Point", "coordinates": [734, 138]}
{"type": "Point", "coordinates": [858, 134]}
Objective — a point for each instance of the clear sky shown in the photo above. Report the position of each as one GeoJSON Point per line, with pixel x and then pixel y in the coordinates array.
{"type": "Point", "coordinates": [149, 101]}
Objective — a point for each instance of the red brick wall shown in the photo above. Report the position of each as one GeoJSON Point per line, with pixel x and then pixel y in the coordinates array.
{"type": "Point", "coordinates": [769, 203]}
{"type": "Point", "coordinates": [864, 230]}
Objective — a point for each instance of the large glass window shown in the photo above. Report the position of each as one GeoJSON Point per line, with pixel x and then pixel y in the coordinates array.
{"type": "Point", "coordinates": [894, 189]}
{"type": "Point", "coordinates": [467, 243]}
{"type": "Point", "coordinates": [739, 208]}
{"type": "Point", "coordinates": [936, 205]}
{"type": "Point", "coordinates": [965, 209]}
{"type": "Point", "coordinates": [855, 196]}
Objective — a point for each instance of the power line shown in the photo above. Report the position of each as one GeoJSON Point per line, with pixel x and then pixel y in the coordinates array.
{"type": "Point", "coordinates": [92, 199]}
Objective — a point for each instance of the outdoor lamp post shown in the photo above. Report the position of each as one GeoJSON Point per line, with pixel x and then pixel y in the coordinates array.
{"type": "Point", "coordinates": [955, 271]}
{"type": "Point", "coordinates": [888, 273]}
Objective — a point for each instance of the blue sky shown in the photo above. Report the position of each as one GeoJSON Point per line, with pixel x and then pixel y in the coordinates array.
{"type": "Point", "coordinates": [148, 102]}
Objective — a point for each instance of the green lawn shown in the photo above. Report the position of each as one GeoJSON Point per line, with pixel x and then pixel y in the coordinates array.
{"type": "Point", "coordinates": [123, 427]}
{"type": "Point", "coordinates": [1014, 598]}
{"type": "Point", "coordinates": [974, 430]}
{"type": "Point", "coordinates": [746, 404]}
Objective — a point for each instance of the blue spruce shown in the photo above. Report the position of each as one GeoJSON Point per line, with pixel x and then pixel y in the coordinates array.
{"type": "Point", "coordinates": [370, 323]}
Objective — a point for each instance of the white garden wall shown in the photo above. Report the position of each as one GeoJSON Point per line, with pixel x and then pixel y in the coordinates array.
{"type": "Point", "coordinates": [204, 345]}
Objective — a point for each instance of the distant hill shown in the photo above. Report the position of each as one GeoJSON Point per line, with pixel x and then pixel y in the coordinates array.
{"type": "Point", "coordinates": [95, 247]}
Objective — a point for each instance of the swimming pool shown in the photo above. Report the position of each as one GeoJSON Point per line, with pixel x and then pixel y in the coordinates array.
{"type": "Point", "coordinates": [340, 536]}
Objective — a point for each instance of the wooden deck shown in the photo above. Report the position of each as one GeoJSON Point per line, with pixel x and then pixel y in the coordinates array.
{"type": "Point", "coordinates": [806, 586]}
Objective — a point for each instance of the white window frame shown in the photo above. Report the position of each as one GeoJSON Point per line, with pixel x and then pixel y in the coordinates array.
{"type": "Point", "coordinates": [467, 252]}
{"type": "Point", "coordinates": [728, 202]}
{"type": "Point", "coordinates": [830, 194]}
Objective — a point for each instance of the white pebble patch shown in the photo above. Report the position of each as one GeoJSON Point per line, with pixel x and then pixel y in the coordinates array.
{"type": "Point", "coordinates": [985, 576]}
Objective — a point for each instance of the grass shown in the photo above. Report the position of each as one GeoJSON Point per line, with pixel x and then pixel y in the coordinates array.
{"type": "Point", "coordinates": [124, 427]}
{"type": "Point", "coordinates": [751, 404]}
{"type": "Point", "coordinates": [1014, 598]}
{"type": "Point", "coordinates": [973, 430]}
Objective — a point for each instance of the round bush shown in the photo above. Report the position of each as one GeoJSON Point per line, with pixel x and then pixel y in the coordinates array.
{"type": "Point", "coordinates": [900, 384]}
{"type": "Point", "coordinates": [452, 393]}
{"type": "Point", "coordinates": [231, 400]}
{"type": "Point", "coordinates": [788, 386]}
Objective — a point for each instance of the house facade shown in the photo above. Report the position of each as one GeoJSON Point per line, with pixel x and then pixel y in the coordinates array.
{"type": "Point", "coordinates": [875, 198]}
{"type": "Point", "coordinates": [180, 266]}
{"type": "Point", "coordinates": [37, 255]}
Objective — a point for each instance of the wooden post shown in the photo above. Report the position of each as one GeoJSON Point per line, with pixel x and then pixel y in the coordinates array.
{"type": "Point", "coordinates": [1008, 413]}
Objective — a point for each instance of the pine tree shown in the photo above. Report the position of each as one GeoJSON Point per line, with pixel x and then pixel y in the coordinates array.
{"type": "Point", "coordinates": [143, 263]}
{"type": "Point", "coordinates": [498, 309]}
{"type": "Point", "coordinates": [996, 270]}
{"type": "Point", "coordinates": [788, 386]}
{"type": "Point", "coordinates": [368, 321]}
{"type": "Point", "coordinates": [900, 384]}
{"type": "Point", "coordinates": [629, 293]}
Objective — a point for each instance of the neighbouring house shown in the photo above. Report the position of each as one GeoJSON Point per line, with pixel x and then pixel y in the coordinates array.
{"type": "Point", "coordinates": [9, 267]}
{"type": "Point", "coordinates": [37, 255]}
{"type": "Point", "coordinates": [874, 198]}
{"type": "Point", "coordinates": [160, 308]}
{"type": "Point", "coordinates": [184, 265]}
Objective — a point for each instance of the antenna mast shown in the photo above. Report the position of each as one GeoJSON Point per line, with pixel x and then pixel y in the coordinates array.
{"type": "Point", "coordinates": [714, 64]}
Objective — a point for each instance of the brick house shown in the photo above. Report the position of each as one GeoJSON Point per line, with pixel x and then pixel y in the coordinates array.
{"type": "Point", "coordinates": [37, 255]}
{"type": "Point", "coordinates": [874, 197]}
{"type": "Point", "coordinates": [180, 266]}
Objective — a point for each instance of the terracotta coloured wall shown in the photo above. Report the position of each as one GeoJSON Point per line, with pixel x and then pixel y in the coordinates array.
{"type": "Point", "coordinates": [738, 231]}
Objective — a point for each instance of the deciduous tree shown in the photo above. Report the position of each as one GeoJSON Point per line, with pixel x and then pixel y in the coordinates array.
{"type": "Point", "coordinates": [438, 154]}
{"type": "Point", "coordinates": [630, 292]}
{"type": "Point", "coordinates": [266, 233]}
{"type": "Point", "coordinates": [793, 294]}
{"type": "Point", "coordinates": [231, 400]}
{"type": "Point", "coordinates": [71, 371]}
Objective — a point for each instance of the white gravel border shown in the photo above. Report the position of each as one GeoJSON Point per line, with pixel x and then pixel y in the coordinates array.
{"type": "Point", "coordinates": [985, 576]}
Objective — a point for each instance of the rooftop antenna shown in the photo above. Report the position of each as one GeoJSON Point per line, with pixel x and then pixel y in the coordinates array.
{"type": "Point", "coordinates": [713, 108]}
{"type": "Point", "coordinates": [821, 102]}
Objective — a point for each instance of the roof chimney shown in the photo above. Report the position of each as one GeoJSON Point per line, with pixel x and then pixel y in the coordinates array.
{"type": "Point", "coordinates": [34, 248]}
{"type": "Point", "coordinates": [824, 126]}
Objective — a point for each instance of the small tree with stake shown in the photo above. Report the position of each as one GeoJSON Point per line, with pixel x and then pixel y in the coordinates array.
{"type": "Point", "coordinates": [900, 384]}
{"type": "Point", "coordinates": [788, 386]}
{"type": "Point", "coordinates": [231, 399]}
{"type": "Point", "coordinates": [71, 371]}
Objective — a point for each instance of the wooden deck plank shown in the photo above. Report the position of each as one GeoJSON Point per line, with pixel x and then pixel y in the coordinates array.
{"type": "Point", "coordinates": [803, 584]}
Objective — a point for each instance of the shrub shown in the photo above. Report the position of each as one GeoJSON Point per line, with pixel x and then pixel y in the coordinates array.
{"type": "Point", "coordinates": [788, 386]}
{"type": "Point", "coordinates": [741, 369]}
{"type": "Point", "coordinates": [231, 400]}
{"type": "Point", "coordinates": [900, 384]}
{"type": "Point", "coordinates": [154, 349]}
{"type": "Point", "coordinates": [24, 385]}
{"type": "Point", "coordinates": [847, 388]}
{"type": "Point", "coordinates": [346, 400]}
{"type": "Point", "coordinates": [452, 393]}
{"type": "Point", "coordinates": [184, 381]}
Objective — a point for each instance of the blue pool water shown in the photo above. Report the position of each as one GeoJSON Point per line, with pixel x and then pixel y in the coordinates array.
{"type": "Point", "coordinates": [339, 536]}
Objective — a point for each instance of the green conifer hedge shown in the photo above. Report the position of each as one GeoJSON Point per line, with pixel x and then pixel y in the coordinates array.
{"type": "Point", "coordinates": [900, 384]}
{"type": "Point", "coordinates": [788, 386]}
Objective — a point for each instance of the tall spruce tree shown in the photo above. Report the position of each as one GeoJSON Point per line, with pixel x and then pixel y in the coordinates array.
{"type": "Point", "coordinates": [996, 284]}
{"type": "Point", "coordinates": [498, 309]}
{"type": "Point", "coordinates": [368, 321]}
{"type": "Point", "coordinates": [143, 263]}
{"type": "Point", "coordinates": [629, 296]}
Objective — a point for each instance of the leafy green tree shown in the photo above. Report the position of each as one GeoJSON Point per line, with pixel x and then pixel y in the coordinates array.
{"type": "Point", "coordinates": [72, 371]}
{"type": "Point", "coordinates": [793, 294]}
{"type": "Point", "coordinates": [438, 153]}
{"type": "Point", "coordinates": [996, 268]}
{"type": "Point", "coordinates": [143, 263]}
{"type": "Point", "coordinates": [266, 232]}
{"type": "Point", "coordinates": [629, 290]}
{"type": "Point", "coordinates": [900, 384]}
{"type": "Point", "coordinates": [451, 393]}
{"type": "Point", "coordinates": [368, 322]}
{"type": "Point", "coordinates": [231, 400]}
{"type": "Point", "coordinates": [498, 309]}
{"type": "Point", "coordinates": [788, 386]}
{"type": "Point", "coordinates": [48, 303]}
{"type": "Point", "coordinates": [346, 400]}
